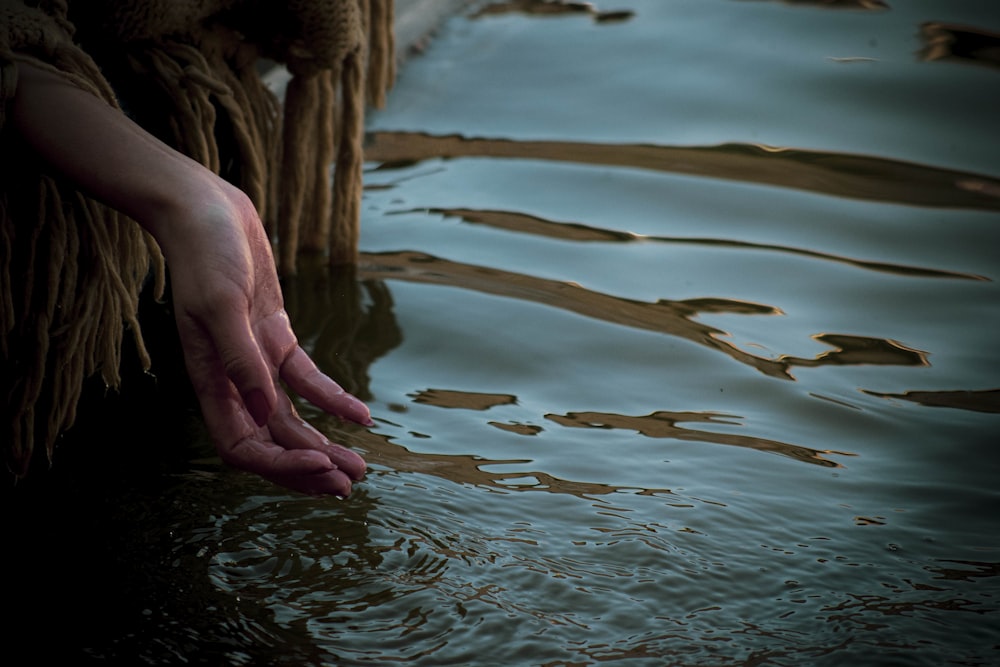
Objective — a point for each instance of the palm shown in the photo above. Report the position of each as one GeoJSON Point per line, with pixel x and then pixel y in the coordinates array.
{"type": "Point", "coordinates": [238, 343]}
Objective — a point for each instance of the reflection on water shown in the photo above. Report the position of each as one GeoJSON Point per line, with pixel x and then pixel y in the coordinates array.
{"type": "Point", "coordinates": [664, 425]}
{"type": "Point", "coordinates": [475, 470]}
{"type": "Point", "coordinates": [657, 425]}
{"type": "Point", "coordinates": [578, 509]}
{"type": "Point", "coordinates": [552, 8]}
{"type": "Point", "coordinates": [852, 350]}
{"type": "Point", "coordinates": [671, 317]}
{"type": "Point", "coordinates": [346, 323]}
{"type": "Point", "coordinates": [444, 398]}
{"type": "Point", "coordinates": [571, 231]}
{"type": "Point", "coordinates": [866, 5]}
{"type": "Point", "coordinates": [979, 401]}
{"type": "Point", "coordinates": [675, 318]}
{"type": "Point", "coordinates": [842, 175]}
{"type": "Point", "coordinates": [589, 440]}
{"type": "Point", "coordinates": [962, 43]}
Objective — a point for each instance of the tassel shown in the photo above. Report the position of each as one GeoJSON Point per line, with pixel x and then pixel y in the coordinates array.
{"type": "Point", "coordinates": [347, 185]}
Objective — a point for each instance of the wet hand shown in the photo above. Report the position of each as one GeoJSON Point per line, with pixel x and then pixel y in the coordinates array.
{"type": "Point", "coordinates": [239, 347]}
{"type": "Point", "coordinates": [238, 343]}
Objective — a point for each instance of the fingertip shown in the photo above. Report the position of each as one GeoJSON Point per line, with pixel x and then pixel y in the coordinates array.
{"type": "Point", "coordinates": [365, 419]}
{"type": "Point", "coordinates": [357, 411]}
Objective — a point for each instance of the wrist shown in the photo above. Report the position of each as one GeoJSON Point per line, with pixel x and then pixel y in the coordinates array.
{"type": "Point", "coordinates": [112, 159]}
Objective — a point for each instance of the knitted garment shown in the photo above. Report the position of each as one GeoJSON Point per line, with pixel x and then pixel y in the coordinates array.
{"type": "Point", "coordinates": [72, 269]}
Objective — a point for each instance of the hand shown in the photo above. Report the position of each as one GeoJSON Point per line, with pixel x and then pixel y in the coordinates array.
{"type": "Point", "coordinates": [238, 343]}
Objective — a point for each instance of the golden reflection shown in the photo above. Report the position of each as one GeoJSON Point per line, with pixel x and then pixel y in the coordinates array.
{"type": "Point", "coordinates": [552, 8]}
{"type": "Point", "coordinates": [864, 5]}
{"type": "Point", "coordinates": [977, 401]}
{"type": "Point", "coordinates": [379, 450]}
{"type": "Point", "coordinates": [838, 174]}
{"type": "Point", "coordinates": [519, 429]}
{"type": "Point", "coordinates": [979, 186]}
{"type": "Point", "coordinates": [852, 59]}
{"type": "Point", "coordinates": [869, 521]}
{"type": "Point", "coordinates": [961, 43]}
{"type": "Point", "coordinates": [669, 317]}
{"type": "Point", "coordinates": [861, 350]}
{"type": "Point", "coordinates": [468, 400]}
{"type": "Point", "coordinates": [573, 231]}
{"type": "Point", "coordinates": [664, 424]}
{"type": "Point", "coordinates": [674, 318]}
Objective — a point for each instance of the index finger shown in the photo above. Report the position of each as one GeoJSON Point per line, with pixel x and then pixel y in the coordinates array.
{"type": "Point", "coordinates": [302, 375]}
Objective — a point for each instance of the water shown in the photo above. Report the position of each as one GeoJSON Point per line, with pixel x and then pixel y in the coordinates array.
{"type": "Point", "coordinates": [679, 331]}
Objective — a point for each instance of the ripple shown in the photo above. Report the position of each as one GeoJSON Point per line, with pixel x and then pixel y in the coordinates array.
{"type": "Point", "coordinates": [960, 43]}
{"type": "Point", "coordinates": [578, 232]}
{"type": "Point", "coordinates": [836, 174]}
{"type": "Point", "coordinates": [551, 8]}
{"type": "Point", "coordinates": [675, 318]}
{"type": "Point", "coordinates": [665, 425]}
{"type": "Point", "coordinates": [987, 400]}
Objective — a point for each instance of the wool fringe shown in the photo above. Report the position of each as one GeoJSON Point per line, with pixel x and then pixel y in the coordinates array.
{"type": "Point", "coordinates": [70, 284]}
{"type": "Point", "coordinates": [324, 125]}
{"type": "Point", "coordinates": [70, 292]}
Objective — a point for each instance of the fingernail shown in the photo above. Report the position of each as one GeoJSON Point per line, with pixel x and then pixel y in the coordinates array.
{"type": "Point", "coordinates": [366, 419]}
{"type": "Point", "coordinates": [258, 406]}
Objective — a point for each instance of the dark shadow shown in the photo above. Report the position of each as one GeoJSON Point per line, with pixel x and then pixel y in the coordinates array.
{"type": "Point", "coordinates": [960, 43]}
{"type": "Point", "coordinates": [552, 8]}
{"type": "Point", "coordinates": [854, 5]}
{"type": "Point", "coordinates": [344, 323]}
{"type": "Point", "coordinates": [987, 400]}
{"type": "Point", "coordinates": [110, 538]}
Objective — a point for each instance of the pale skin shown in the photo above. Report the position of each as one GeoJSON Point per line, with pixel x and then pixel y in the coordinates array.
{"type": "Point", "coordinates": [236, 336]}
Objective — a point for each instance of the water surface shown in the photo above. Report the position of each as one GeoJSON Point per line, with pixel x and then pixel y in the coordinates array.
{"type": "Point", "coordinates": [678, 323]}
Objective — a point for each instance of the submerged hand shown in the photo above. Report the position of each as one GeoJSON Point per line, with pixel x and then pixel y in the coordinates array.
{"type": "Point", "coordinates": [238, 343]}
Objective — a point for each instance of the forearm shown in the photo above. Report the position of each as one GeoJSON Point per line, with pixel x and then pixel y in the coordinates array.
{"type": "Point", "coordinates": [227, 301]}
{"type": "Point", "coordinates": [105, 153]}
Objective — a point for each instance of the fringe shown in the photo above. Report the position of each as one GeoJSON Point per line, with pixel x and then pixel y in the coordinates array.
{"type": "Point", "coordinates": [71, 269]}
{"type": "Point", "coordinates": [343, 245]}
{"type": "Point", "coordinates": [324, 123]}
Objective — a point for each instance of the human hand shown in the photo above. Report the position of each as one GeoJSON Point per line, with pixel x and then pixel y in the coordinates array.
{"type": "Point", "coordinates": [237, 340]}
{"type": "Point", "coordinates": [238, 343]}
